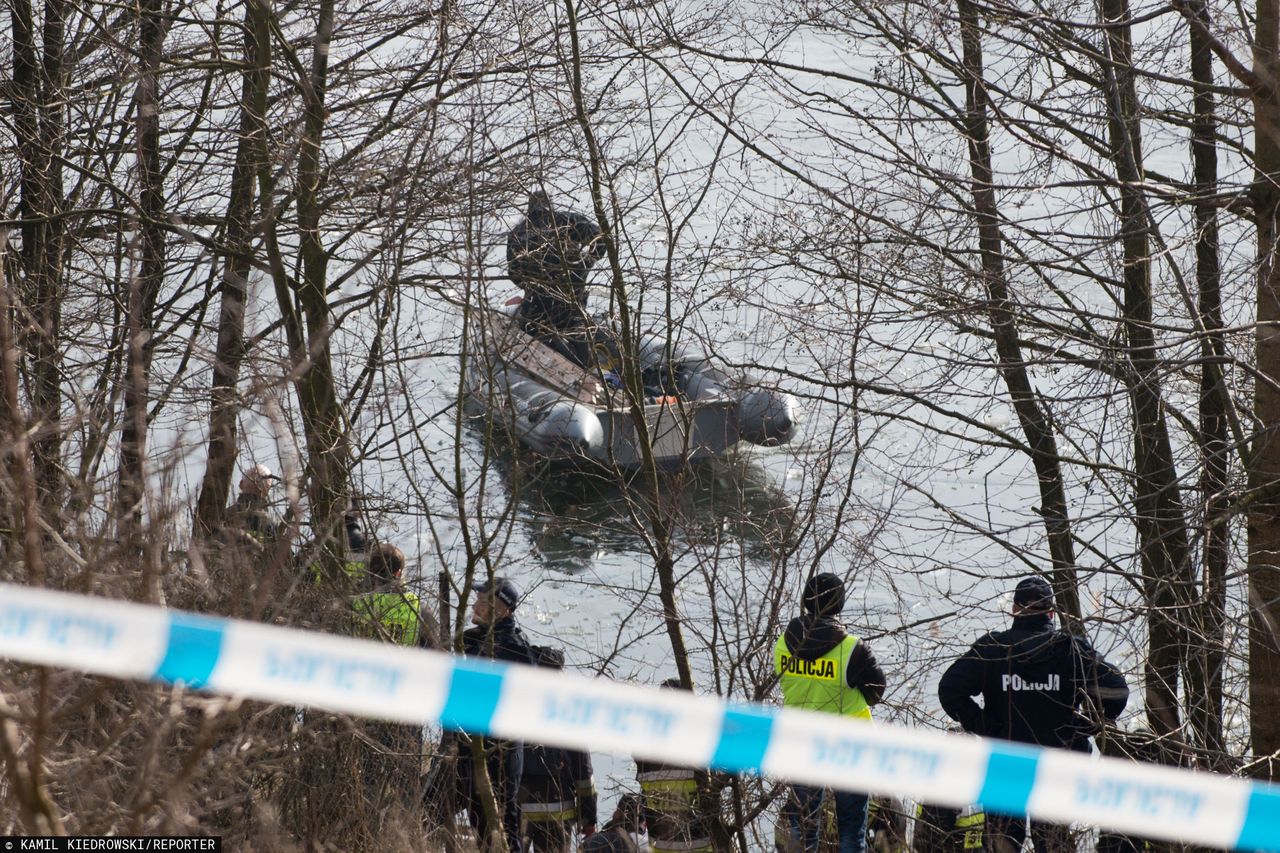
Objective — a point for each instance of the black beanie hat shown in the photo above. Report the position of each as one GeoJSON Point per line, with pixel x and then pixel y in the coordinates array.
{"type": "Point", "coordinates": [823, 595]}
{"type": "Point", "coordinates": [1034, 595]}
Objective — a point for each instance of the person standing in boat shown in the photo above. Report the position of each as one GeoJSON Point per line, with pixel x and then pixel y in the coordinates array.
{"type": "Point", "coordinates": [548, 255]}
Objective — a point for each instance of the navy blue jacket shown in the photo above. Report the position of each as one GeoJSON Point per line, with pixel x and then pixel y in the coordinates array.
{"type": "Point", "coordinates": [555, 774]}
{"type": "Point", "coordinates": [503, 640]}
{"type": "Point", "coordinates": [1032, 680]}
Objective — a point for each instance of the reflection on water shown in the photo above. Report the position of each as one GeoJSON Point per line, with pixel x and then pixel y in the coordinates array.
{"type": "Point", "coordinates": [575, 518]}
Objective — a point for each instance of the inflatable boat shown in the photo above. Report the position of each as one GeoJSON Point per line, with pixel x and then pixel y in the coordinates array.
{"type": "Point", "coordinates": [564, 412]}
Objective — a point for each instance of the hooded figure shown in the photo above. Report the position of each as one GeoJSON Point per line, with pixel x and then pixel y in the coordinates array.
{"type": "Point", "coordinates": [548, 255]}
{"type": "Point", "coordinates": [822, 667]}
{"type": "Point", "coordinates": [816, 633]}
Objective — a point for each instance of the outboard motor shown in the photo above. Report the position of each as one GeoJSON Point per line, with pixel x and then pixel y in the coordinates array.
{"type": "Point", "coordinates": [697, 377]}
{"type": "Point", "coordinates": [765, 416]}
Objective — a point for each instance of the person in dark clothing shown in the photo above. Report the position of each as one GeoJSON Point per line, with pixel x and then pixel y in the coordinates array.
{"type": "Point", "coordinates": [680, 807]}
{"type": "Point", "coordinates": [494, 634]}
{"type": "Point", "coordinates": [252, 510]}
{"type": "Point", "coordinates": [557, 789]}
{"type": "Point", "coordinates": [947, 829]}
{"type": "Point", "coordinates": [822, 667]}
{"type": "Point", "coordinates": [886, 827]}
{"type": "Point", "coordinates": [548, 255]}
{"type": "Point", "coordinates": [625, 831]}
{"type": "Point", "coordinates": [1033, 680]}
{"type": "Point", "coordinates": [355, 561]}
{"type": "Point", "coordinates": [248, 551]}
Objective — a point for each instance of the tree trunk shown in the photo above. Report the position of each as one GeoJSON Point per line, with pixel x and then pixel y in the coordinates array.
{"type": "Point", "coordinates": [660, 523]}
{"type": "Point", "coordinates": [144, 288]}
{"type": "Point", "coordinates": [1036, 424]}
{"type": "Point", "coordinates": [18, 452]}
{"type": "Point", "coordinates": [1204, 693]}
{"type": "Point", "coordinates": [1161, 525]}
{"type": "Point", "coordinates": [215, 490]}
{"type": "Point", "coordinates": [38, 121]}
{"type": "Point", "coordinates": [1264, 473]}
{"type": "Point", "coordinates": [322, 416]}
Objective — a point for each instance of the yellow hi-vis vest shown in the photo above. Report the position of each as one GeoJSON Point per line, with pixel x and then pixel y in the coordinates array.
{"type": "Point", "coordinates": [670, 795]}
{"type": "Point", "coordinates": [819, 685]}
{"type": "Point", "coordinates": [971, 821]}
{"type": "Point", "coordinates": [387, 615]}
{"type": "Point", "coordinates": [354, 565]}
{"type": "Point", "coordinates": [535, 812]}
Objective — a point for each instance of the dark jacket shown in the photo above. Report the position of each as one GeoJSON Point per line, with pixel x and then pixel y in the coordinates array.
{"type": "Point", "coordinates": [1032, 680]}
{"type": "Point", "coordinates": [613, 839]}
{"type": "Point", "coordinates": [549, 254]}
{"type": "Point", "coordinates": [554, 774]}
{"type": "Point", "coordinates": [356, 541]}
{"type": "Point", "coordinates": [503, 640]}
{"type": "Point", "coordinates": [253, 515]}
{"type": "Point", "coordinates": [946, 829]}
{"type": "Point", "coordinates": [679, 812]}
{"type": "Point", "coordinates": [810, 637]}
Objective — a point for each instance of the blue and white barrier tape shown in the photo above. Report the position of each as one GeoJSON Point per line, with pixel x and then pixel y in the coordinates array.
{"type": "Point", "coordinates": [366, 678]}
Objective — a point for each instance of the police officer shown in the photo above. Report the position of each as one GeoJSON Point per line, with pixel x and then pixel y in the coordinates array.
{"type": "Point", "coordinates": [677, 803]}
{"type": "Point", "coordinates": [494, 634]}
{"type": "Point", "coordinates": [557, 788]}
{"type": "Point", "coordinates": [548, 254]}
{"type": "Point", "coordinates": [1033, 680]}
{"type": "Point", "coordinates": [822, 667]}
{"type": "Point", "coordinates": [390, 613]}
{"type": "Point", "coordinates": [886, 827]}
{"type": "Point", "coordinates": [945, 829]}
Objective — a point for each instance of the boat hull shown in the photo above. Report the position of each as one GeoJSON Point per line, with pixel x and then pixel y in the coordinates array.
{"type": "Point", "coordinates": [565, 414]}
